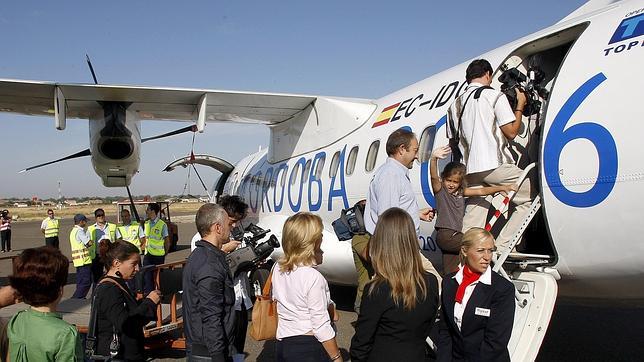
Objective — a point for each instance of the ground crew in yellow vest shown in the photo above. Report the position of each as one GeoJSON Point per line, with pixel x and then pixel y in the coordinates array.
{"type": "Point", "coordinates": [50, 227]}
{"type": "Point", "coordinates": [157, 243]}
{"type": "Point", "coordinates": [131, 231]}
{"type": "Point", "coordinates": [81, 244]}
{"type": "Point", "coordinates": [101, 230]}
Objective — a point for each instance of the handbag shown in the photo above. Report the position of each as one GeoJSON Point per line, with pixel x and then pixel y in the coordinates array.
{"type": "Point", "coordinates": [115, 344]}
{"type": "Point", "coordinates": [264, 318]}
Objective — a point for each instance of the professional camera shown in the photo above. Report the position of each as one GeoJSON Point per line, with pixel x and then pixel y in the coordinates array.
{"type": "Point", "coordinates": [4, 214]}
{"type": "Point", "coordinates": [512, 79]}
{"type": "Point", "coordinates": [247, 258]}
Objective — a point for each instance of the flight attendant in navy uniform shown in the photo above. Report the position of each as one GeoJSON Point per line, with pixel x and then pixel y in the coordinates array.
{"type": "Point", "coordinates": [478, 305]}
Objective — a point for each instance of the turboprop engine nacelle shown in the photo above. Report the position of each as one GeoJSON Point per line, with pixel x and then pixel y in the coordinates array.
{"type": "Point", "coordinates": [115, 143]}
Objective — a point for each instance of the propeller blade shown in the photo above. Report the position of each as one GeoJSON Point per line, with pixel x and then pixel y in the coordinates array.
{"type": "Point", "coordinates": [83, 153]}
{"type": "Point", "coordinates": [192, 128]}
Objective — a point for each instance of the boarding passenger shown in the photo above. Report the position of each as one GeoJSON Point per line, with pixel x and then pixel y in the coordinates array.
{"type": "Point", "coordinates": [401, 301]}
{"type": "Point", "coordinates": [483, 122]}
{"type": "Point", "coordinates": [209, 297]}
{"type": "Point", "coordinates": [477, 306]}
{"type": "Point", "coordinates": [5, 230]}
{"type": "Point", "coordinates": [131, 231]}
{"type": "Point", "coordinates": [120, 317]}
{"type": "Point", "coordinates": [81, 243]}
{"type": "Point", "coordinates": [391, 187]}
{"type": "Point", "coordinates": [49, 228]}
{"type": "Point", "coordinates": [157, 243]}
{"type": "Point", "coordinates": [40, 333]}
{"type": "Point", "coordinates": [450, 192]}
{"type": "Point", "coordinates": [100, 230]}
{"type": "Point", "coordinates": [304, 329]}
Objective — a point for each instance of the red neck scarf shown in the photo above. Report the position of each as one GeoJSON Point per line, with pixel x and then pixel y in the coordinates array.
{"type": "Point", "coordinates": [469, 277]}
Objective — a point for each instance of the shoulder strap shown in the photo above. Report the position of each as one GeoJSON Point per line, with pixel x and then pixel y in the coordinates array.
{"type": "Point", "coordinates": [456, 132]}
{"type": "Point", "coordinates": [266, 292]}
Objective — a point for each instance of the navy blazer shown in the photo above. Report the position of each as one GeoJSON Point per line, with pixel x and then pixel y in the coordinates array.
{"type": "Point", "coordinates": [388, 332]}
{"type": "Point", "coordinates": [481, 338]}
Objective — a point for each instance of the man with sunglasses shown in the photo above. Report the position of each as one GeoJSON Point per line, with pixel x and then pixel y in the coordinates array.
{"type": "Point", "coordinates": [100, 230]}
{"type": "Point", "coordinates": [49, 228]}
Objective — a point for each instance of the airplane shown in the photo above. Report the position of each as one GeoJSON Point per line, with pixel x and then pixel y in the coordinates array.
{"type": "Point", "coordinates": [583, 239]}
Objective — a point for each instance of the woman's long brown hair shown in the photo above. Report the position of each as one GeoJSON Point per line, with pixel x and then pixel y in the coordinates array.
{"type": "Point", "coordinates": [395, 257]}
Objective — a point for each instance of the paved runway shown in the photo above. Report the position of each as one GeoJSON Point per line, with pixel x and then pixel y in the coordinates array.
{"type": "Point", "coordinates": [576, 332]}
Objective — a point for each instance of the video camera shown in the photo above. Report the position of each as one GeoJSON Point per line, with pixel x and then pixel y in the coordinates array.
{"type": "Point", "coordinates": [512, 79]}
{"type": "Point", "coordinates": [247, 258]}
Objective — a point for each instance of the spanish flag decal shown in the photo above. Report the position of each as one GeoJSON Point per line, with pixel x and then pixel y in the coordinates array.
{"type": "Point", "coordinates": [385, 116]}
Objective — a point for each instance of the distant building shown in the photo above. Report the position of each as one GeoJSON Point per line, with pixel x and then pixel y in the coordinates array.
{"type": "Point", "coordinates": [95, 201]}
{"type": "Point", "coordinates": [70, 202]}
{"type": "Point", "coordinates": [185, 201]}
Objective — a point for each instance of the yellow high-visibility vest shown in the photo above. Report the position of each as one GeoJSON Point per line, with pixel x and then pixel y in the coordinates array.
{"type": "Point", "coordinates": [93, 235]}
{"type": "Point", "coordinates": [80, 253]}
{"type": "Point", "coordinates": [130, 233]}
{"type": "Point", "coordinates": [52, 227]}
{"type": "Point", "coordinates": [155, 243]}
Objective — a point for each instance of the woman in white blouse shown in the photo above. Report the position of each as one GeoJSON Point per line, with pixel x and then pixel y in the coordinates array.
{"type": "Point", "coordinates": [304, 330]}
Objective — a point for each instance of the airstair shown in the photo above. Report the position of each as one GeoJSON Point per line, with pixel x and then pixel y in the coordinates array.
{"type": "Point", "coordinates": [535, 282]}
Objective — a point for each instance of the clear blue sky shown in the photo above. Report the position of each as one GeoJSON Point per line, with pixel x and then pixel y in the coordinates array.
{"type": "Point", "coordinates": [363, 49]}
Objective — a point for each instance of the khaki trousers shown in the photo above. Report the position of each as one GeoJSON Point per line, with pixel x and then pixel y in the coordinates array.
{"type": "Point", "coordinates": [476, 207]}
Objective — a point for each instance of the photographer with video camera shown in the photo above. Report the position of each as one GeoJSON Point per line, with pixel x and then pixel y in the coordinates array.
{"type": "Point", "coordinates": [237, 210]}
{"type": "Point", "coordinates": [480, 124]}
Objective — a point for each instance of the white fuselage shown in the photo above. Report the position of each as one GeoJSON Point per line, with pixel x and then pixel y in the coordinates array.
{"type": "Point", "coordinates": [589, 155]}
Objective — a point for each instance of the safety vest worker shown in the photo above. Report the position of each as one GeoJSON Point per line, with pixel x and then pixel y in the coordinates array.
{"type": "Point", "coordinates": [130, 232]}
{"type": "Point", "coordinates": [81, 244]}
{"type": "Point", "coordinates": [50, 227]}
{"type": "Point", "coordinates": [97, 233]}
{"type": "Point", "coordinates": [80, 251]}
{"type": "Point", "coordinates": [155, 240]}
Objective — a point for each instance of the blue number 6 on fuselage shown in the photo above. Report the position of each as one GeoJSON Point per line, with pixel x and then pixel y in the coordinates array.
{"type": "Point", "coordinates": [599, 136]}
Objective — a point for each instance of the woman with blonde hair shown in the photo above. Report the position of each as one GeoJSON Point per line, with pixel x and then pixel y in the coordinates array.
{"type": "Point", "coordinates": [304, 330]}
{"type": "Point", "coordinates": [477, 310]}
{"type": "Point", "coordinates": [401, 301]}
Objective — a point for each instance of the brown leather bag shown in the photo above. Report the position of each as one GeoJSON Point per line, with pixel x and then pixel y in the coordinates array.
{"type": "Point", "coordinates": [264, 322]}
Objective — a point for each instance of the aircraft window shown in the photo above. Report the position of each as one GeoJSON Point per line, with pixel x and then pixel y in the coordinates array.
{"type": "Point", "coordinates": [335, 162]}
{"type": "Point", "coordinates": [372, 156]}
{"type": "Point", "coordinates": [319, 166]}
{"type": "Point", "coordinates": [351, 160]}
{"type": "Point", "coordinates": [307, 168]}
{"type": "Point", "coordinates": [295, 173]}
{"type": "Point", "coordinates": [426, 144]}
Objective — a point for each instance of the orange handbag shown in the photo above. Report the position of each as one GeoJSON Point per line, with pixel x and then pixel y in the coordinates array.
{"type": "Point", "coordinates": [264, 317]}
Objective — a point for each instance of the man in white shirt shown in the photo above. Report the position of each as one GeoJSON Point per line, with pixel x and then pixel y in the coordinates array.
{"type": "Point", "coordinates": [487, 123]}
{"type": "Point", "coordinates": [390, 187]}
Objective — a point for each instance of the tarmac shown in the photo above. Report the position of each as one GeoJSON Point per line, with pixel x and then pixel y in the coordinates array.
{"type": "Point", "coordinates": [578, 332]}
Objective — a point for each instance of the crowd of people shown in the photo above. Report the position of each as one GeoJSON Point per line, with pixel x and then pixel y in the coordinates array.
{"type": "Point", "coordinates": [401, 296]}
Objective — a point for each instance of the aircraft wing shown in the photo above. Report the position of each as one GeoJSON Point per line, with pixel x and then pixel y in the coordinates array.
{"type": "Point", "coordinates": [81, 100]}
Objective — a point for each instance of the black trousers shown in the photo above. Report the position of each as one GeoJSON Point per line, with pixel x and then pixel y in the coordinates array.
{"type": "Point", "coordinates": [241, 327]}
{"type": "Point", "coordinates": [97, 270]}
{"type": "Point", "coordinates": [148, 277]}
{"type": "Point", "coordinates": [300, 349]}
{"type": "Point", "coordinates": [5, 235]}
{"type": "Point", "coordinates": [52, 241]}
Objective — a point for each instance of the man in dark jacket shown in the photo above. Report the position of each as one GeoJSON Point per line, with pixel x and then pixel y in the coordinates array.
{"type": "Point", "coordinates": [209, 297]}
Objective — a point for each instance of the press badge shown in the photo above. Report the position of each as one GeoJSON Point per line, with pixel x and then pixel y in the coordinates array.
{"type": "Point", "coordinates": [482, 312]}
